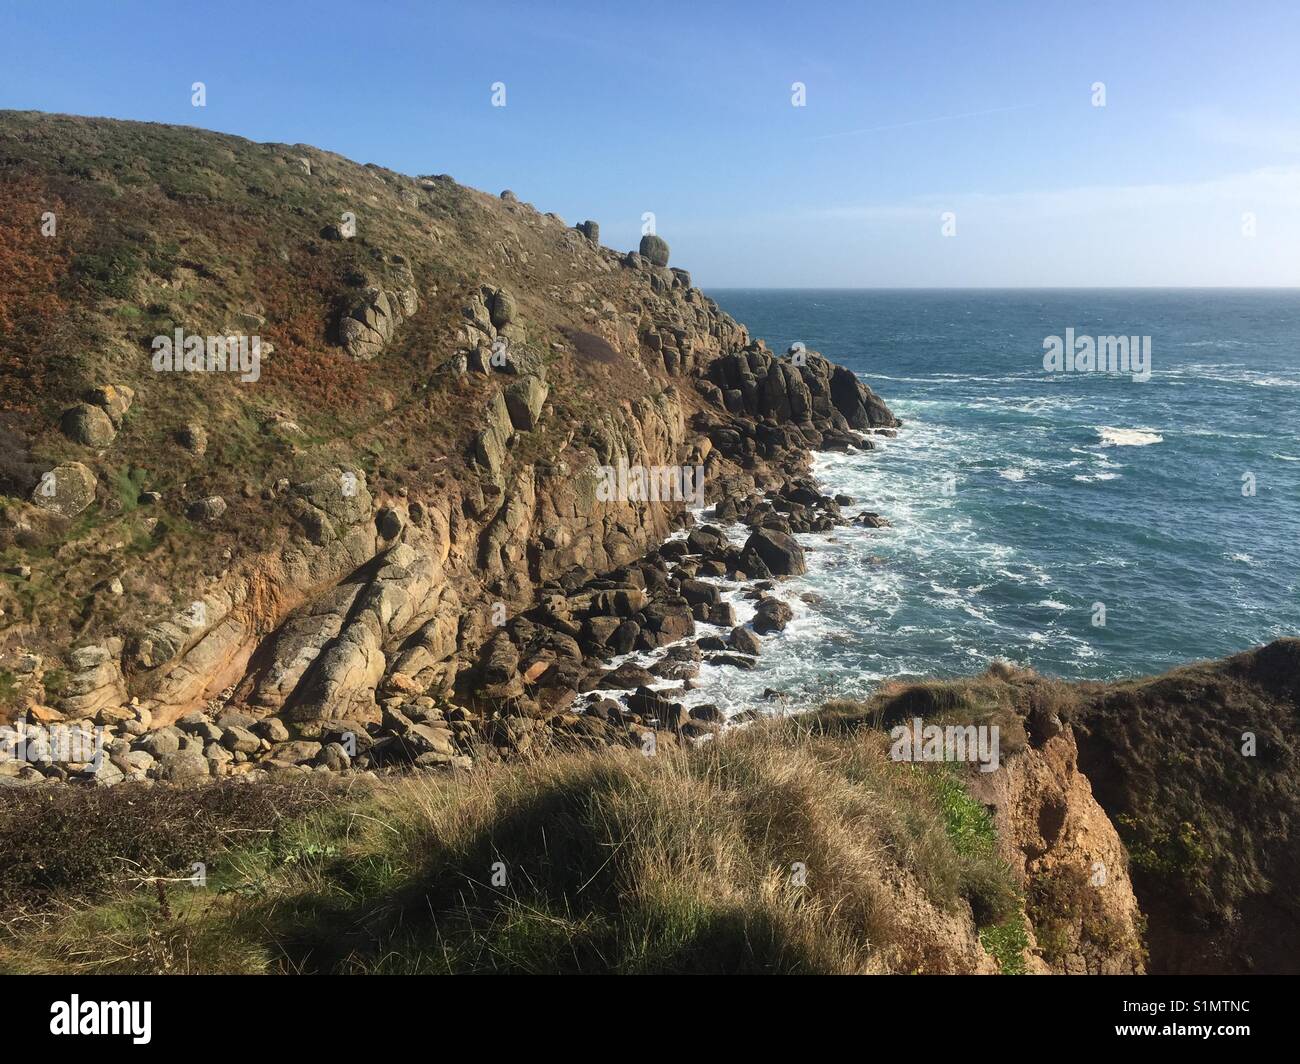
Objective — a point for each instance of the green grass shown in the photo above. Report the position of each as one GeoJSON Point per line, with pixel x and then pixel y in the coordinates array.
{"type": "Point", "coordinates": [128, 482]}
{"type": "Point", "coordinates": [985, 880]}
{"type": "Point", "coordinates": [968, 823]}
{"type": "Point", "coordinates": [108, 273]}
{"type": "Point", "coordinates": [1006, 944]}
{"type": "Point", "coordinates": [8, 688]}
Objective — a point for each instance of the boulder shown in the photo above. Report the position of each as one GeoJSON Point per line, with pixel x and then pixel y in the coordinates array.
{"type": "Point", "coordinates": [722, 614]}
{"type": "Point", "coordinates": [606, 709]}
{"type": "Point", "coordinates": [500, 660]}
{"type": "Point", "coordinates": [599, 630]}
{"type": "Point", "coordinates": [66, 490]}
{"type": "Point", "coordinates": [139, 762]}
{"type": "Point", "coordinates": [240, 740]}
{"type": "Point", "coordinates": [88, 425]}
{"type": "Point", "coordinates": [233, 718]}
{"type": "Point", "coordinates": [524, 401]}
{"type": "Point", "coordinates": [655, 249]}
{"type": "Point", "coordinates": [624, 637]}
{"type": "Point", "coordinates": [114, 399]}
{"type": "Point", "coordinates": [503, 308]}
{"type": "Point", "coordinates": [194, 438]}
{"type": "Point", "coordinates": [335, 758]}
{"type": "Point", "coordinates": [271, 729]}
{"type": "Point", "coordinates": [188, 764]}
{"type": "Point", "coordinates": [209, 509]}
{"type": "Point", "coordinates": [299, 752]}
{"type": "Point", "coordinates": [671, 622]}
{"type": "Point", "coordinates": [627, 677]}
{"type": "Point", "coordinates": [744, 641]}
{"type": "Point", "coordinates": [429, 738]}
{"type": "Point", "coordinates": [778, 552]}
{"type": "Point", "coordinates": [708, 714]}
{"type": "Point", "coordinates": [771, 615]}
{"type": "Point", "coordinates": [705, 540]}
{"type": "Point", "coordinates": [590, 230]}
{"type": "Point", "coordinates": [618, 602]}
{"type": "Point", "coordinates": [675, 669]}
{"type": "Point", "coordinates": [389, 523]}
{"type": "Point", "coordinates": [161, 743]}
{"type": "Point", "coordinates": [366, 328]}
{"type": "Point", "coordinates": [104, 773]}
{"type": "Point", "coordinates": [701, 591]}
{"type": "Point", "coordinates": [491, 442]}
{"type": "Point", "coordinates": [648, 703]}
{"type": "Point", "coordinates": [95, 683]}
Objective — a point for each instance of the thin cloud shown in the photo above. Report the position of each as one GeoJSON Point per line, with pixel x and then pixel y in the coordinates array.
{"type": "Point", "coordinates": [1216, 126]}
{"type": "Point", "coordinates": [1275, 186]}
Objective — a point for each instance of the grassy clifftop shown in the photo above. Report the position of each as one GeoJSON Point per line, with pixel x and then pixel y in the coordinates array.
{"type": "Point", "coordinates": [781, 850]}
{"type": "Point", "coordinates": [790, 846]}
{"type": "Point", "coordinates": [796, 845]}
{"type": "Point", "coordinates": [1198, 769]}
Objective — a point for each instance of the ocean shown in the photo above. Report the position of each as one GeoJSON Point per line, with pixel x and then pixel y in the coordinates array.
{"type": "Point", "coordinates": [1086, 524]}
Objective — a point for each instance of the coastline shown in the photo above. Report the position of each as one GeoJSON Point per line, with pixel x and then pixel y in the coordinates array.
{"type": "Point", "coordinates": [728, 685]}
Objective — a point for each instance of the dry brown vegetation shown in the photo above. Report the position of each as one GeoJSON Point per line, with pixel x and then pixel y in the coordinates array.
{"type": "Point", "coordinates": [778, 850]}
{"type": "Point", "coordinates": [162, 227]}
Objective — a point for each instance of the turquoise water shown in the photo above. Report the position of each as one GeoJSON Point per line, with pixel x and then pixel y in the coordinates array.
{"type": "Point", "coordinates": [1021, 500]}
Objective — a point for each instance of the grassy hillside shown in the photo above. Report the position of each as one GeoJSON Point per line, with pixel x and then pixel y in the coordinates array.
{"type": "Point", "coordinates": [781, 850]}
{"type": "Point", "coordinates": [163, 227]}
{"type": "Point", "coordinates": [790, 846]}
{"type": "Point", "coordinates": [1199, 770]}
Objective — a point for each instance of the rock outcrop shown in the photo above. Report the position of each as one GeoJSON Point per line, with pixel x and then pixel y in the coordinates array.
{"type": "Point", "coordinates": [89, 425]}
{"type": "Point", "coordinates": [366, 328]}
{"type": "Point", "coordinates": [654, 249]}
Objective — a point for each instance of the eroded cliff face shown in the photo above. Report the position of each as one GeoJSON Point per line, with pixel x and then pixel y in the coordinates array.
{"type": "Point", "coordinates": [1082, 915]}
{"type": "Point", "coordinates": [395, 594]}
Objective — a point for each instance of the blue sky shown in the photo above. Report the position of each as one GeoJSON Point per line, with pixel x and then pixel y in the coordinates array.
{"type": "Point", "coordinates": [913, 109]}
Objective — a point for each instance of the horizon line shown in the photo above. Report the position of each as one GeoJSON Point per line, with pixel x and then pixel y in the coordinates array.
{"type": "Point", "coordinates": [1002, 288]}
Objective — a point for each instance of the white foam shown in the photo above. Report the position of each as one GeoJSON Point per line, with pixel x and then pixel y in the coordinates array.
{"type": "Point", "coordinates": [1113, 437]}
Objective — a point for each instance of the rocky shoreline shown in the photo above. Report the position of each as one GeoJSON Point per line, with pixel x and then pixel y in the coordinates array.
{"type": "Point", "coordinates": [545, 679]}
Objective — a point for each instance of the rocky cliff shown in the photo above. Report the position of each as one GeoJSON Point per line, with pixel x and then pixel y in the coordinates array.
{"type": "Point", "coordinates": [424, 480]}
